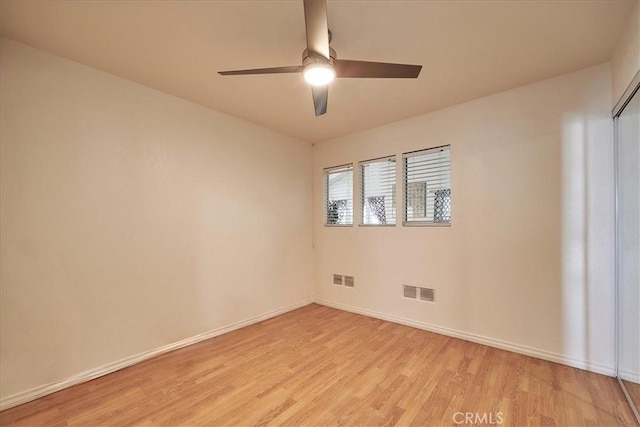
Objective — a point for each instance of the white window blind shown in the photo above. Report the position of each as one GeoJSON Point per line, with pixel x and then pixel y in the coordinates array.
{"type": "Point", "coordinates": [339, 195]}
{"type": "Point", "coordinates": [427, 187]}
{"type": "Point", "coordinates": [378, 191]}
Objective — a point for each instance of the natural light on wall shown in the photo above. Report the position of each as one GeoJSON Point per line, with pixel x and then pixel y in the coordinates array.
{"type": "Point", "coordinates": [587, 238]}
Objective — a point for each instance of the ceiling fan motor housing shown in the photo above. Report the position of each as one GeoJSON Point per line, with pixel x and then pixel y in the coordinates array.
{"type": "Point", "coordinates": [313, 58]}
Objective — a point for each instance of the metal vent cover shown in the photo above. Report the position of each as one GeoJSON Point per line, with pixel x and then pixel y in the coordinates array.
{"type": "Point", "coordinates": [337, 279]}
{"type": "Point", "coordinates": [427, 294]}
{"type": "Point", "coordinates": [410, 291]}
{"type": "Point", "coordinates": [348, 281]}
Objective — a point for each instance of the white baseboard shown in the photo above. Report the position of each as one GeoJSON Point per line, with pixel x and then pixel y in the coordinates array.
{"type": "Point", "coordinates": [480, 339]}
{"type": "Point", "coordinates": [43, 390]}
{"type": "Point", "coordinates": [629, 376]}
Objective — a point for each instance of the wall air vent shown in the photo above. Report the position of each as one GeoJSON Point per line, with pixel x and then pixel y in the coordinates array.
{"type": "Point", "coordinates": [427, 294]}
{"type": "Point", "coordinates": [421, 294]}
{"type": "Point", "coordinates": [410, 291]}
{"type": "Point", "coordinates": [348, 281]}
{"type": "Point", "coordinates": [337, 279]}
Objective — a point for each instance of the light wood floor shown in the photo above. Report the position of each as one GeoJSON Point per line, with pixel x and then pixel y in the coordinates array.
{"type": "Point", "coordinates": [634, 392]}
{"type": "Point", "coordinates": [320, 366]}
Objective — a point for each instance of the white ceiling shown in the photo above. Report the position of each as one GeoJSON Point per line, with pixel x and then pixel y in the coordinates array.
{"type": "Point", "coordinates": [468, 49]}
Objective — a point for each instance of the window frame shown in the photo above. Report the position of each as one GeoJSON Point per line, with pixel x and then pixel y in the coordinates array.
{"type": "Point", "coordinates": [326, 173]}
{"type": "Point", "coordinates": [394, 196]}
{"type": "Point", "coordinates": [405, 156]}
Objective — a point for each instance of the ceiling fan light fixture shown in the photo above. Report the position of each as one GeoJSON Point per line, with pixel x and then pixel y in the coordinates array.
{"type": "Point", "coordinates": [319, 74]}
{"type": "Point", "coordinates": [320, 64]}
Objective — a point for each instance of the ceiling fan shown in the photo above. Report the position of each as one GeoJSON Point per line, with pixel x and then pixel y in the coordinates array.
{"type": "Point", "coordinates": [320, 64]}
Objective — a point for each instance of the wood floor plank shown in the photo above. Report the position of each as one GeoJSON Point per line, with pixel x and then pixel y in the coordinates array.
{"type": "Point", "coordinates": [634, 391]}
{"type": "Point", "coordinates": [321, 366]}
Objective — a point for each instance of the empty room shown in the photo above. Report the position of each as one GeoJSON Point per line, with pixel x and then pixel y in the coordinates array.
{"type": "Point", "coordinates": [320, 212]}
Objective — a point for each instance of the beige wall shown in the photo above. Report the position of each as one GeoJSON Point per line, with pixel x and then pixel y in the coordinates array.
{"type": "Point", "coordinates": [132, 219]}
{"type": "Point", "coordinates": [625, 62]}
{"type": "Point", "coordinates": [528, 261]}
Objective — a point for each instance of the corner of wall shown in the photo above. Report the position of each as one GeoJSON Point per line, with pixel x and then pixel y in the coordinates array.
{"type": "Point", "coordinates": [625, 61]}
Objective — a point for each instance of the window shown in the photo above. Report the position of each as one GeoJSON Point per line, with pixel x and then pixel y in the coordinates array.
{"type": "Point", "coordinates": [427, 187]}
{"type": "Point", "coordinates": [378, 191]}
{"type": "Point", "coordinates": [339, 195]}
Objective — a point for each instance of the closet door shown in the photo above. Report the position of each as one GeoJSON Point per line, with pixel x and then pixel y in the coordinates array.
{"type": "Point", "coordinates": [628, 260]}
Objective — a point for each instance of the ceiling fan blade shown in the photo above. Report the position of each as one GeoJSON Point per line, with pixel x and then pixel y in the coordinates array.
{"type": "Point", "coordinates": [365, 69]}
{"type": "Point", "coordinates": [320, 96]}
{"type": "Point", "coordinates": [275, 70]}
{"type": "Point", "coordinates": [315, 22]}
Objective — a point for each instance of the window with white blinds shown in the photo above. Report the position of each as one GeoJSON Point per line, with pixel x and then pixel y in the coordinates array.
{"type": "Point", "coordinates": [378, 191]}
{"type": "Point", "coordinates": [427, 187]}
{"type": "Point", "coordinates": [338, 186]}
